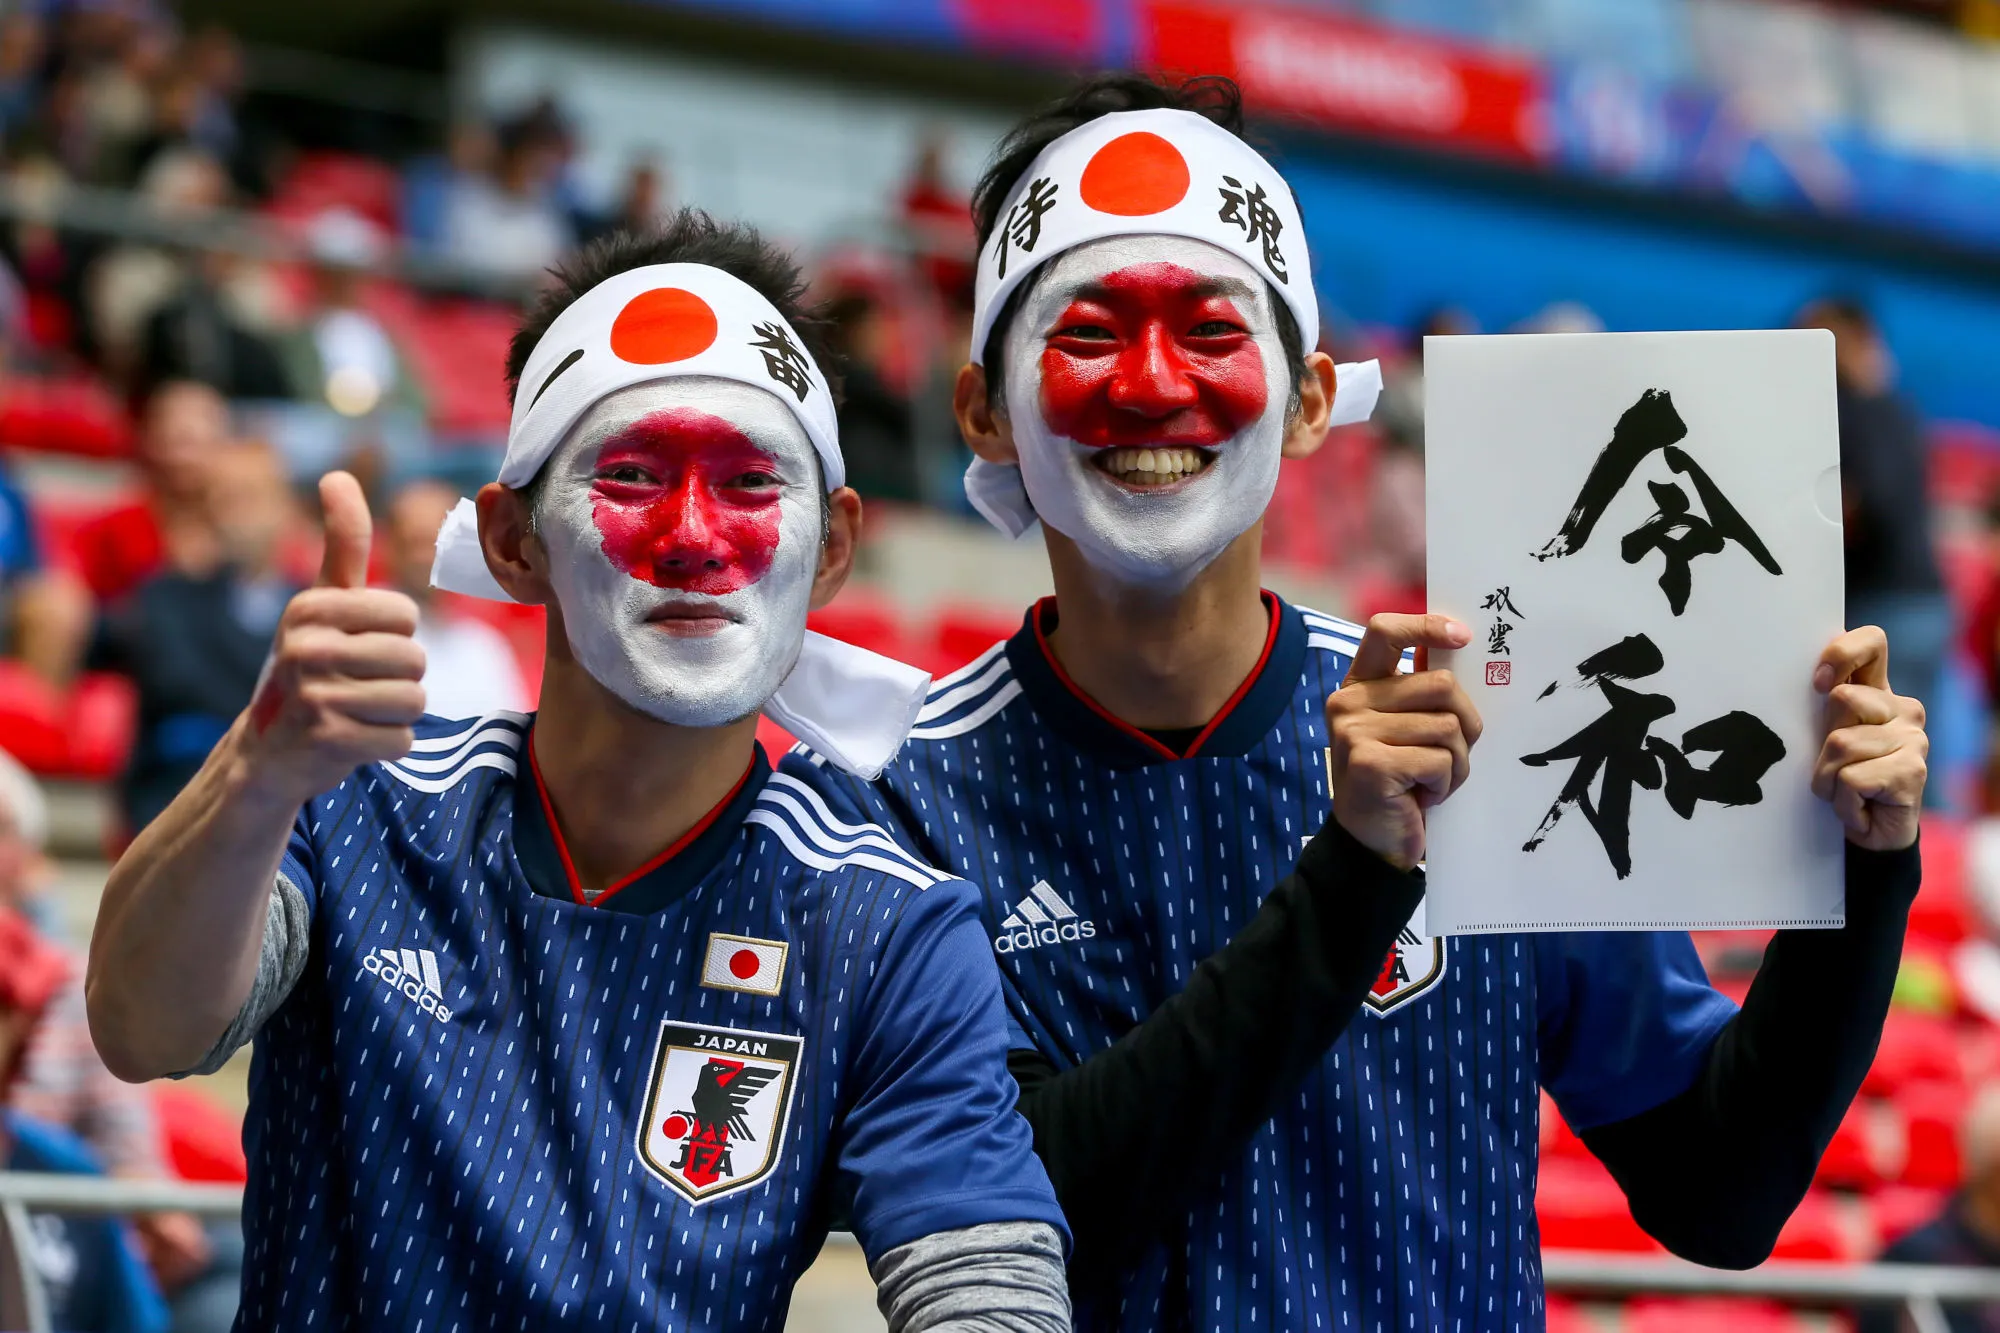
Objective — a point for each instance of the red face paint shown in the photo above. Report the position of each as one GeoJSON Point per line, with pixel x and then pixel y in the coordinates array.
{"type": "Point", "coordinates": [684, 500]}
{"type": "Point", "coordinates": [1153, 356]}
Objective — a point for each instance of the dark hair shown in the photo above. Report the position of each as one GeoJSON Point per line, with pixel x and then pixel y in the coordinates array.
{"type": "Point", "coordinates": [1211, 96]}
{"type": "Point", "coordinates": [690, 236]}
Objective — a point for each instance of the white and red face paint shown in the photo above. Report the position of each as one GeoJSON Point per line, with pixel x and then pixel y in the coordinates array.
{"type": "Point", "coordinates": [1147, 387]}
{"type": "Point", "coordinates": [682, 522]}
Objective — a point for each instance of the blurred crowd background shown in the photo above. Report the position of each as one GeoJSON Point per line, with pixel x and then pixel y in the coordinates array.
{"type": "Point", "coordinates": [241, 244]}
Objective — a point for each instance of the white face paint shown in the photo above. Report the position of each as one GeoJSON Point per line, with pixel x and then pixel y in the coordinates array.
{"type": "Point", "coordinates": [1147, 388]}
{"type": "Point", "coordinates": [682, 522]}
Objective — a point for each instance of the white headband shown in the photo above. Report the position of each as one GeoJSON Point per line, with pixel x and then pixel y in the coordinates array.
{"type": "Point", "coordinates": [668, 321]}
{"type": "Point", "coordinates": [1147, 173]}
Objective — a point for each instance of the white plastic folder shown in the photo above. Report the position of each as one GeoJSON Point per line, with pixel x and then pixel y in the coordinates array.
{"type": "Point", "coordinates": [1643, 532]}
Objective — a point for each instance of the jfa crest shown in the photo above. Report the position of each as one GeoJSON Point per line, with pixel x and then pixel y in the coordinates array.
{"type": "Point", "coordinates": [1415, 964]}
{"type": "Point", "coordinates": [716, 1113]}
{"type": "Point", "coordinates": [1416, 960]}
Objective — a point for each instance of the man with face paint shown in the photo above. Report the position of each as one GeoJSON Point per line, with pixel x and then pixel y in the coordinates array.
{"type": "Point", "coordinates": [1267, 1096]}
{"type": "Point", "coordinates": [585, 1019]}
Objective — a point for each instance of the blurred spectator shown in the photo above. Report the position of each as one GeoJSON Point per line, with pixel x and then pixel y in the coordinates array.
{"type": "Point", "coordinates": [875, 429]}
{"type": "Point", "coordinates": [511, 222]}
{"type": "Point", "coordinates": [1892, 570]}
{"type": "Point", "coordinates": [469, 668]}
{"type": "Point", "coordinates": [21, 48]}
{"type": "Point", "coordinates": [63, 1083]}
{"type": "Point", "coordinates": [44, 619]}
{"type": "Point", "coordinates": [938, 219]}
{"type": "Point", "coordinates": [432, 182]}
{"type": "Point", "coordinates": [1396, 495]}
{"type": "Point", "coordinates": [129, 282]}
{"type": "Point", "coordinates": [1967, 1233]}
{"type": "Point", "coordinates": [198, 334]}
{"type": "Point", "coordinates": [183, 427]}
{"type": "Point", "coordinates": [194, 642]}
{"type": "Point", "coordinates": [89, 1270]}
{"type": "Point", "coordinates": [340, 354]}
{"type": "Point", "coordinates": [641, 204]}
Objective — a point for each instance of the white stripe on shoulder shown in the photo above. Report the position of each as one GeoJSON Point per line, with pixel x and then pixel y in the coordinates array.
{"type": "Point", "coordinates": [968, 671]}
{"type": "Point", "coordinates": [484, 759]}
{"type": "Point", "coordinates": [859, 836]}
{"type": "Point", "coordinates": [497, 733]}
{"type": "Point", "coordinates": [1320, 620]}
{"type": "Point", "coordinates": [431, 744]}
{"type": "Point", "coordinates": [805, 855]}
{"type": "Point", "coordinates": [943, 701]}
{"type": "Point", "coordinates": [1343, 646]}
{"type": "Point", "coordinates": [972, 721]}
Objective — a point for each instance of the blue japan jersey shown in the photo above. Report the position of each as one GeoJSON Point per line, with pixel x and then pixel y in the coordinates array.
{"type": "Point", "coordinates": [488, 1105]}
{"type": "Point", "coordinates": [1395, 1188]}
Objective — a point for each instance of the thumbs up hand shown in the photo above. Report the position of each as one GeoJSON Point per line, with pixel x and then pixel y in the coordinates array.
{"type": "Point", "coordinates": [343, 683]}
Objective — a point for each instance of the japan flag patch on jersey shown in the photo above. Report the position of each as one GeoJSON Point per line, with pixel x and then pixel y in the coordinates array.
{"type": "Point", "coordinates": [737, 962]}
{"type": "Point", "coordinates": [717, 1106]}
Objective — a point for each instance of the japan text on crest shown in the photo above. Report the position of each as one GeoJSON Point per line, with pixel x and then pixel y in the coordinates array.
{"type": "Point", "coordinates": [717, 1106]}
{"type": "Point", "coordinates": [1415, 964]}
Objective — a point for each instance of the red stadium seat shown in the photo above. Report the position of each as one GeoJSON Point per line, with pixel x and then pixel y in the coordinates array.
{"type": "Point", "coordinates": [1818, 1231]}
{"type": "Point", "coordinates": [1931, 1112]}
{"type": "Point", "coordinates": [203, 1141]}
{"type": "Point", "coordinates": [1659, 1314]}
{"type": "Point", "coordinates": [103, 720]}
{"type": "Point", "coordinates": [319, 181]}
{"type": "Point", "coordinates": [863, 620]}
{"type": "Point", "coordinates": [1580, 1207]}
{"type": "Point", "coordinates": [961, 633]}
{"type": "Point", "coordinates": [1850, 1161]}
{"type": "Point", "coordinates": [1915, 1047]}
{"type": "Point", "coordinates": [63, 416]}
{"type": "Point", "coordinates": [1565, 1317]}
{"type": "Point", "coordinates": [1897, 1210]}
{"type": "Point", "coordinates": [32, 714]}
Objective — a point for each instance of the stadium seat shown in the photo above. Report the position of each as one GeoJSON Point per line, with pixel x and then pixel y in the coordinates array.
{"type": "Point", "coordinates": [1915, 1047]}
{"type": "Point", "coordinates": [322, 180]}
{"type": "Point", "coordinates": [961, 633]}
{"type": "Point", "coordinates": [1565, 1317]}
{"type": "Point", "coordinates": [1931, 1113]}
{"type": "Point", "coordinates": [103, 721]}
{"type": "Point", "coordinates": [32, 714]}
{"type": "Point", "coordinates": [862, 619]}
{"type": "Point", "coordinates": [75, 415]}
{"type": "Point", "coordinates": [1659, 1314]}
{"type": "Point", "coordinates": [1850, 1160]}
{"type": "Point", "coordinates": [1819, 1231]}
{"type": "Point", "coordinates": [1897, 1210]}
{"type": "Point", "coordinates": [203, 1141]}
{"type": "Point", "coordinates": [1580, 1207]}
{"type": "Point", "coordinates": [1558, 1140]}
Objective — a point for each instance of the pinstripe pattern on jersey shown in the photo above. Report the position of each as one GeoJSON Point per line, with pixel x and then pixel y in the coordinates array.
{"type": "Point", "coordinates": [480, 1173]}
{"type": "Point", "coordinates": [1395, 1190]}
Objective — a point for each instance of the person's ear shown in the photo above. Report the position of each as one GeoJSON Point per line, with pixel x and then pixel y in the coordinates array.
{"type": "Point", "coordinates": [836, 553]}
{"type": "Point", "coordinates": [515, 555]}
{"type": "Point", "coordinates": [1306, 431]}
{"type": "Point", "coordinates": [987, 432]}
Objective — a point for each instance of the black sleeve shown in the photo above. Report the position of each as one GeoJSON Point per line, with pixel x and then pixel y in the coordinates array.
{"type": "Point", "coordinates": [1714, 1173]}
{"type": "Point", "coordinates": [1210, 1065]}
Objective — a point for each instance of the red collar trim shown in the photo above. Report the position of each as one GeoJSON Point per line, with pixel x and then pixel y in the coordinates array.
{"type": "Point", "coordinates": [1047, 605]}
{"type": "Point", "coordinates": [674, 849]}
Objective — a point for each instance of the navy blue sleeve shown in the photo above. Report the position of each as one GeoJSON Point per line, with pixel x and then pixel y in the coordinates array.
{"type": "Point", "coordinates": [300, 863]}
{"type": "Point", "coordinates": [930, 1140]}
{"type": "Point", "coordinates": [1624, 1021]}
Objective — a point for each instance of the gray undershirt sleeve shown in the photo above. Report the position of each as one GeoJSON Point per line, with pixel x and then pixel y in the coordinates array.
{"type": "Point", "coordinates": [998, 1277]}
{"type": "Point", "coordinates": [280, 963]}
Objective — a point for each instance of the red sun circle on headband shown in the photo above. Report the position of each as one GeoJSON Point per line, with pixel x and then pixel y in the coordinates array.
{"type": "Point", "coordinates": [1134, 175]}
{"type": "Point", "coordinates": [661, 325]}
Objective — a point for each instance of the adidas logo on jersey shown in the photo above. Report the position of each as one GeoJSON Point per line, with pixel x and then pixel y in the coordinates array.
{"type": "Point", "coordinates": [413, 973]}
{"type": "Point", "coordinates": [1041, 918]}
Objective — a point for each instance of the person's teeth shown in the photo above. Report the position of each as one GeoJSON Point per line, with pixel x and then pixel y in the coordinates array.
{"type": "Point", "coordinates": [1146, 461]}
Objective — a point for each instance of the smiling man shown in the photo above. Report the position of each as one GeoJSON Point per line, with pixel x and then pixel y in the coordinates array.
{"type": "Point", "coordinates": [585, 1019]}
{"type": "Point", "coordinates": [1267, 1096]}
